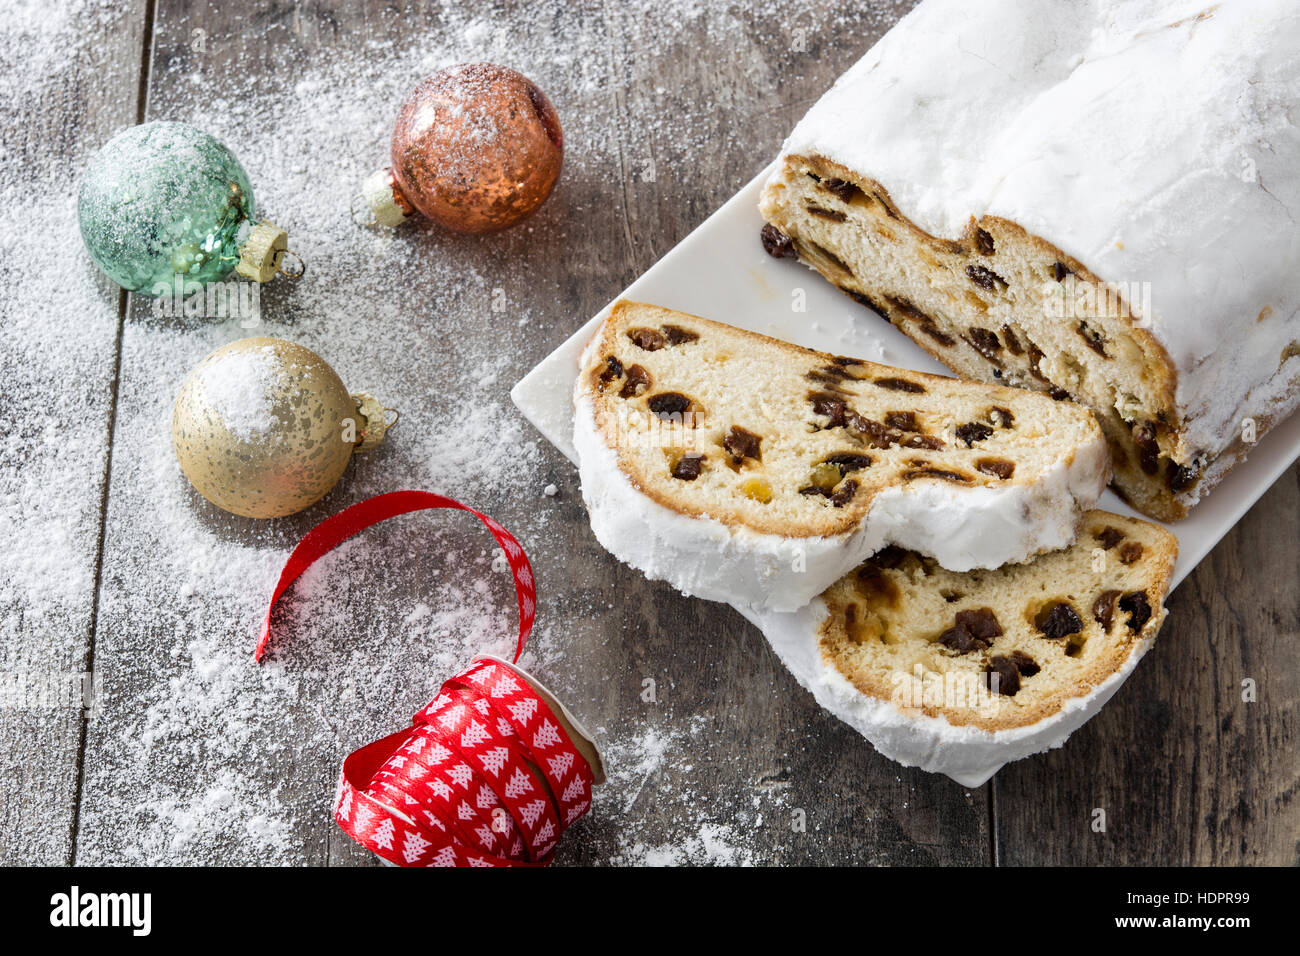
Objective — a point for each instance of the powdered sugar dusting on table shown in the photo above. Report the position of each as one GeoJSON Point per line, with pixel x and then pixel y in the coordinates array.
{"type": "Point", "coordinates": [197, 755]}
{"type": "Point", "coordinates": [637, 763]}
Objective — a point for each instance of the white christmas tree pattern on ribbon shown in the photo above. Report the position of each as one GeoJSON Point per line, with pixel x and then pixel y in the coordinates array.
{"type": "Point", "coordinates": [474, 781]}
{"type": "Point", "coordinates": [486, 776]}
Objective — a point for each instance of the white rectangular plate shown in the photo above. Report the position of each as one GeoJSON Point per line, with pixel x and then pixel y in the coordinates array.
{"type": "Point", "coordinates": [721, 272]}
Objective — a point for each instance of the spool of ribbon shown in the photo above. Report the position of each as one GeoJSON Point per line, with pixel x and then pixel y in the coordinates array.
{"type": "Point", "coordinates": [493, 770]}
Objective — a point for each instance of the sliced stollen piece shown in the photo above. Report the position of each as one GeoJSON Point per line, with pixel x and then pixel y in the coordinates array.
{"type": "Point", "coordinates": [1095, 198]}
{"type": "Point", "coordinates": [962, 673]}
{"type": "Point", "coordinates": [745, 469]}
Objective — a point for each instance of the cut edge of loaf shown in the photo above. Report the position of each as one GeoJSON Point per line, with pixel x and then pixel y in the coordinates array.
{"type": "Point", "coordinates": [1083, 430]}
{"type": "Point", "coordinates": [941, 293]}
{"type": "Point", "coordinates": [977, 526]}
{"type": "Point", "coordinates": [768, 572]}
{"type": "Point", "coordinates": [968, 754]}
{"type": "Point", "coordinates": [1073, 665]}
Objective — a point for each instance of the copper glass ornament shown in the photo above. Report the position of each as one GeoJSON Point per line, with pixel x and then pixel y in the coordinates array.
{"type": "Point", "coordinates": [476, 148]}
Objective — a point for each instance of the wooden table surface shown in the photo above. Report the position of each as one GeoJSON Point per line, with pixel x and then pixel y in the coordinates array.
{"type": "Point", "coordinates": [113, 566]}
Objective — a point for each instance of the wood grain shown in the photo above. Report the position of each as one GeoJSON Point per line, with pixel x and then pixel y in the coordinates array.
{"type": "Point", "coordinates": [728, 760]}
{"type": "Point", "coordinates": [1187, 771]}
{"type": "Point", "coordinates": [56, 380]}
{"type": "Point", "coordinates": [759, 749]}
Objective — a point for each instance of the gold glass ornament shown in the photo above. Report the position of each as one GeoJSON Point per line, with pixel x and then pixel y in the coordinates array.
{"type": "Point", "coordinates": [264, 428]}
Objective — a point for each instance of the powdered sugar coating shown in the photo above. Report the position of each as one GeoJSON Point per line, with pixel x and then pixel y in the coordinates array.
{"type": "Point", "coordinates": [239, 388]}
{"type": "Point", "coordinates": [967, 754]}
{"type": "Point", "coordinates": [1152, 140]}
{"type": "Point", "coordinates": [963, 528]}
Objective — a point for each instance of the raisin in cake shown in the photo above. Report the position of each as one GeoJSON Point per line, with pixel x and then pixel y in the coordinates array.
{"type": "Point", "coordinates": [745, 469]}
{"type": "Point", "coordinates": [1099, 199]}
{"type": "Point", "coordinates": [961, 673]}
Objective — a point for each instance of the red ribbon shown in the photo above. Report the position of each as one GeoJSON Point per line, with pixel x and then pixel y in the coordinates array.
{"type": "Point", "coordinates": [486, 775]}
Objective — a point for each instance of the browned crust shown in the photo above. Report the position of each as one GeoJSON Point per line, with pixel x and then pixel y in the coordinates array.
{"type": "Point", "coordinates": [1165, 370]}
{"type": "Point", "coordinates": [844, 520]}
{"type": "Point", "coordinates": [1165, 506]}
{"type": "Point", "coordinates": [1159, 565]}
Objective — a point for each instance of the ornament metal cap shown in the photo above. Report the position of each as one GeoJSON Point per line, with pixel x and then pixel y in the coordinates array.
{"type": "Point", "coordinates": [374, 420]}
{"type": "Point", "coordinates": [263, 253]}
{"type": "Point", "coordinates": [379, 193]}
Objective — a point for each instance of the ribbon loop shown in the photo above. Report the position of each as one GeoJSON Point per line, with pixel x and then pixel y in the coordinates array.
{"type": "Point", "coordinates": [487, 775]}
{"type": "Point", "coordinates": [333, 531]}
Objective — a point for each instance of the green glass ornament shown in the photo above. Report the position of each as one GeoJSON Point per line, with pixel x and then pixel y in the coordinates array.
{"type": "Point", "coordinates": [165, 206]}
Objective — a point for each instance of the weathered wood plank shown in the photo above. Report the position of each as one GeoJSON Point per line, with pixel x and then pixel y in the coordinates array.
{"type": "Point", "coordinates": [201, 757]}
{"type": "Point", "coordinates": [1186, 770]}
{"type": "Point", "coordinates": [204, 758]}
{"type": "Point", "coordinates": [757, 748]}
{"type": "Point", "coordinates": [70, 78]}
